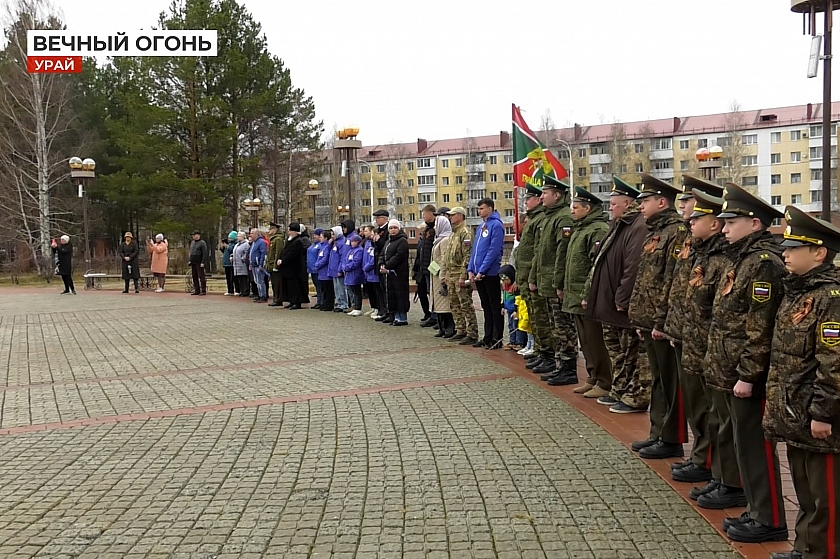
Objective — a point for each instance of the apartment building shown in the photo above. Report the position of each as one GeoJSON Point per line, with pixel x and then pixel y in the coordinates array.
{"type": "Point", "coordinates": [776, 153]}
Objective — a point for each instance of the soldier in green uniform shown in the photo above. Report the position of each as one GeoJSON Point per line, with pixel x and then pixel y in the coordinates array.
{"type": "Point", "coordinates": [455, 267]}
{"type": "Point", "coordinates": [698, 466]}
{"type": "Point", "coordinates": [648, 309]}
{"type": "Point", "coordinates": [523, 261]}
{"type": "Point", "coordinates": [590, 228]}
{"type": "Point", "coordinates": [546, 279]}
{"type": "Point", "coordinates": [737, 360]}
{"type": "Point", "coordinates": [276, 244]}
{"type": "Point", "coordinates": [803, 385]}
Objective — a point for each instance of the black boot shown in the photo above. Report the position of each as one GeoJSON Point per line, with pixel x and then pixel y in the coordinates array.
{"type": "Point", "coordinates": [724, 497]}
{"type": "Point", "coordinates": [753, 531]}
{"type": "Point", "coordinates": [662, 450]}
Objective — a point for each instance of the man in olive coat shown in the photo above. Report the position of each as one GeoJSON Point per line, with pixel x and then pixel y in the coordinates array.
{"type": "Point", "coordinates": [276, 243]}
{"type": "Point", "coordinates": [523, 262]}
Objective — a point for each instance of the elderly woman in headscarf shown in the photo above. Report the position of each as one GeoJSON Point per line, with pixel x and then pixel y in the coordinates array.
{"type": "Point", "coordinates": [159, 249]}
{"type": "Point", "coordinates": [129, 252]}
{"type": "Point", "coordinates": [63, 251]}
{"type": "Point", "coordinates": [439, 292]}
{"type": "Point", "coordinates": [394, 264]}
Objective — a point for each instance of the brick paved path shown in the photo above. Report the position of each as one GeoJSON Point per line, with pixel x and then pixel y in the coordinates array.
{"type": "Point", "coordinates": [172, 426]}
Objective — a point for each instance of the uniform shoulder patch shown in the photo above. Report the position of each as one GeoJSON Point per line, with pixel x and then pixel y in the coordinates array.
{"type": "Point", "coordinates": [567, 232]}
{"type": "Point", "coordinates": [764, 256]}
{"type": "Point", "coordinates": [830, 333]}
{"type": "Point", "coordinates": [677, 250]}
{"type": "Point", "coordinates": [761, 291]}
{"type": "Point", "coordinates": [834, 293]}
{"type": "Point", "coordinates": [680, 228]}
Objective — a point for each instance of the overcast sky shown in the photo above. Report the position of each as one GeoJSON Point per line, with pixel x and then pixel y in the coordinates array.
{"type": "Point", "coordinates": [437, 69]}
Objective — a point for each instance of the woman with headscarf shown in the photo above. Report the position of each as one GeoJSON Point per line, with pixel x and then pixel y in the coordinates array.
{"type": "Point", "coordinates": [129, 251]}
{"type": "Point", "coordinates": [439, 292]}
{"type": "Point", "coordinates": [63, 251]}
{"type": "Point", "coordinates": [239, 259]}
{"type": "Point", "coordinates": [159, 249]}
{"type": "Point", "coordinates": [394, 265]}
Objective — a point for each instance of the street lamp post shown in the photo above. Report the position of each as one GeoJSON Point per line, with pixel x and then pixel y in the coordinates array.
{"type": "Point", "coordinates": [83, 170]}
{"type": "Point", "coordinates": [343, 210]}
{"type": "Point", "coordinates": [348, 144]}
{"type": "Point", "coordinates": [370, 171]}
{"type": "Point", "coordinates": [313, 194]}
{"type": "Point", "coordinates": [253, 207]}
{"type": "Point", "coordinates": [565, 144]}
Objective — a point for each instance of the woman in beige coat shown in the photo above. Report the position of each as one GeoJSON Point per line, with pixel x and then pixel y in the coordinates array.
{"type": "Point", "coordinates": [439, 297]}
{"type": "Point", "coordinates": [159, 249]}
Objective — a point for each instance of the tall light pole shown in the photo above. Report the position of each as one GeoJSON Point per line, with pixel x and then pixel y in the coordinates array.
{"type": "Point", "coordinates": [253, 207]}
{"type": "Point", "coordinates": [370, 172]}
{"type": "Point", "coordinates": [83, 170]}
{"type": "Point", "coordinates": [313, 195]}
{"type": "Point", "coordinates": [565, 144]}
{"type": "Point", "coordinates": [348, 144]}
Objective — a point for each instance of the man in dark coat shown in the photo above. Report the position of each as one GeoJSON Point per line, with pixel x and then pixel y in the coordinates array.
{"type": "Point", "coordinates": [420, 271]}
{"type": "Point", "coordinates": [289, 265]}
{"type": "Point", "coordinates": [394, 265]}
{"type": "Point", "coordinates": [198, 255]}
{"type": "Point", "coordinates": [129, 251]}
{"type": "Point", "coordinates": [380, 239]}
{"type": "Point", "coordinates": [64, 253]}
{"type": "Point", "coordinates": [611, 284]}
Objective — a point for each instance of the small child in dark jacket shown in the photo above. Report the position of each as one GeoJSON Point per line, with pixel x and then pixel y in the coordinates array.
{"type": "Point", "coordinates": [517, 339]}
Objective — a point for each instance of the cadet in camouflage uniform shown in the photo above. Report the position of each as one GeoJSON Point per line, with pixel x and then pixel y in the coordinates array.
{"type": "Point", "coordinates": [610, 287]}
{"type": "Point", "coordinates": [738, 358]}
{"type": "Point", "coordinates": [648, 309]}
{"type": "Point", "coordinates": [714, 447]}
{"type": "Point", "coordinates": [803, 386]}
{"type": "Point", "coordinates": [590, 227]}
{"type": "Point", "coordinates": [455, 271]}
{"type": "Point", "coordinates": [523, 261]}
{"type": "Point", "coordinates": [547, 279]}
{"type": "Point", "coordinates": [698, 466]}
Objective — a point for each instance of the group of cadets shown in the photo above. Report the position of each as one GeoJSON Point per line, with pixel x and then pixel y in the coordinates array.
{"type": "Point", "coordinates": [711, 325]}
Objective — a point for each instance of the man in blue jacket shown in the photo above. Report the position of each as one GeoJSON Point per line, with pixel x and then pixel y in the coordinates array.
{"type": "Point", "coordinates": [483, 270]}
{"type": "Point", "coordinates": [259, 250]}
{"type": "Point", "coordinates": [311, 259]}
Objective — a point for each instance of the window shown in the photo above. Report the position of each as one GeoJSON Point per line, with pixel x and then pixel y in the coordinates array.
{"type": "Point", "coordinates": [563, 154]}
{"type": "Point", "coordinates": [428, 180]}
{"type": "Point", "coordinates": [603, 187]}
{"type": "Point", "coordinates": [795, 156]}
{"type": "Point", "coordinates": [795, 135]}
{"type": "Point", "coordinates": [399, 200]}
{"type": "Point", "coordinates": [749, 160]}
{"type": "Point", "coordinates": [444, 181]}
{"type": "Point", "coordinates": [816, 131]}
{"type": "Point", "coordinates": [424, 163]}
{"type": "Point", "coordinates": [795, 178]}
{"type": "Point", "coordinates": [493, 177]}
{"type": "Point", "coordinates": [509, 212]}
{"type": "Point", "coordinates": [598, 149]}
{"type": "Point", "coordinates": [816, 174]}
{"type": "Point", "coordinates": [684, 144]}
{"type": "Point", "coordinates": [444, 163]}
{"type": "Point", "coordinates": [775, 158]}
{"type": "Point", "coordinates": [581, 152]}
{"type": "Point", "coordinates": [411, 183]}
{"type": "Point", "coordinates": [476, 194]}
{"type": "Point", "coordinates": [661, 143]}
{"type": "Point", "coordinates": [662, 164]}
{"type": "Point", "coordinates": [623, 168]}
{"type": "Point", "coordinates": [816, 196]}
{"type": "Point", "coordinates": [410, 165]}
{"type": "Point", "coordinates": [446, 198]}
{"type": "Point", "coordinates": [582, 172]}
{"type": "Point", "coordinates": [412, 234]}
{"type": "Point", "coordinates": [397, 166]}
{"type": "Point", "coordinates": [381, 185]}
{"type": "Point", "coordinates": [749, 139]}
{"type": "Point", "coordinates": [459, 197]}
{"type": "Point", "coordinates": [366, 202]}
{"type": "Point", "coordinates": [427, 197]}
{"type": "Point", "coordinates": [639, 148]}
{"type": "Point", "coordinates": [508, 177]}
{"type": "Point", "coordinates": [775, 137]}
{"type": "Point", "coordinates": [777, 222]}
{"type": "Point", "coordinates": [795, 198]}
{"type": "Point", "coordinates": [509, 231]}
{"type": "Point", "coordinates": [411, 199]}
{"type": "Point", "coordinates": [726, 162]}
{"type": "Point", "coordinates": [412, 216]}
{"type": "Point", "coordinates": [494, 196]}
{"type": "Point", "coordinates": [704, 143]}
{"type": "Point", "coordinates": [364, 169]}
{"type": "Point", "coordinates": [640, 167]}
{"type": "Point", "coordinates": [381, 201]}
{"type": "Point", "coordinates": [775, 179]}
{"type": "Point", "coordinates": [815, 152]}
{"type": "Point", "coordinates": [508, 160]}
{"type": "Point", "coordinates": [493, 159]}
{"type": "Point", "coordinates": [749, 181]}
{"type": "Point", "coordinates": [459, 162]}
{"type": "Point", "coordinates": [508, 194]}
{"type": "Point", "coordinates": [724, 141]}
{"type": "Point", "coordinates": [459, 180]}
{"type": "Point", "coordinates": [684, 165]}
{"type": "Point", "coordinates": [775, 200]}
{"type": "Point", "coordinates": [380, 168]}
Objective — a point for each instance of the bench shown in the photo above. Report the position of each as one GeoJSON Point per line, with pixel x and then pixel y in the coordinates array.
{"type": "Point", "coordinates": [93, 280]}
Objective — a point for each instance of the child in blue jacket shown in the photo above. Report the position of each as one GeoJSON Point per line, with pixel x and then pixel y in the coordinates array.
{"type": "Point", "coordinates": [354, 276]}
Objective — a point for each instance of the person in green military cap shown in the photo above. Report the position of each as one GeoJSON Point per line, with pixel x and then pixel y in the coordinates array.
{"type": "Point", "coordinates": [749, 292]}
{"type": "Point", "coordinates": [690, 183]}
{"type": "Point", "coordinates": [803, 385]}
{"type": "Point", "coordinates": [276, 244]}
{"type": "Point", "coordinates": [559, 365]}
{"type": "Point", "coordinates": [590, 228]}
{"type": "Point", "coordinates": [610, 286]}
{"type": "Point", "coordinates": [648, 310]}
{"type": "Point", "coordinates": [523, 262]}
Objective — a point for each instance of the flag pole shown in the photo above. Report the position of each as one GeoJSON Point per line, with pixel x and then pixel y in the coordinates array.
{"type": "Point", "coordinates": [516, 231]}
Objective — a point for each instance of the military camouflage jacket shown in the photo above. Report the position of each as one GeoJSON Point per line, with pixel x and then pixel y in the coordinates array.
{"type": "Point", "coordinates": [524, 256]}
{"type": "Point", "coordinates": [649, 301]}
{"type": "Point", "coordinates": [707, 263]}
{"type": "Point", "coordinates": [457, 254]}
{"type": "Point", "coordinates": [587, 234]}
{"type": "Point", "coordinates": [276, 244]}
{"type": "Point", "coordinates": [551, 242]}
{"type": "Point", "coordinates": [744, 311]}
{"type": "Point", "coordinates": [679, 287]}
{"type": "Point", "coordinates": [804, 379]}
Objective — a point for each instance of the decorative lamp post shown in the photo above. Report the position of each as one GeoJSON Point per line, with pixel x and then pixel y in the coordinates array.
{"type": "Point", "coordinates": [253, 207]}
{"type": "Point", "coordinates": [83, 169]}
{"type": "Point", "coordinates": [709, 161]}
{"type": "Point", "coordinates": [313, 194]}
{"type": "Point", "coordinates": [349, 145]}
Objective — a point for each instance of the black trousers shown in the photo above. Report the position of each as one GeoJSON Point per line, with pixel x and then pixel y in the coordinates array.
{"type": "Point", "coordinates": [277, 287]}
{"type": "Point", "coordinates": [382, 295]}
{"type": "Point", "coordinates": [816, 477]}
{"type": "Point", "coordinates": [231, 287]}
{"type": "Point", "coordinates": [357, 296]}
{"type": "Point", "coordinates": [423, 292]}
{"type": "Point", "coordinates": [243, 285]}
{"type": "Point", "coordinates": [199, 278]}
{"type": "Point", "coordinates": [490, 294]}
{"type": "Point", "coordinates": [68, 282]}
{"type": "Point", "coordinates": [372, 290]}
{"type": "Point", "coordinates": [667, 413]}
{"type": "Point", "coordinates": [327, 294]}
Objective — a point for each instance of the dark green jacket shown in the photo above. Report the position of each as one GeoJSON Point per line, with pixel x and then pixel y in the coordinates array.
{"type": "Point", "coordinates": [276, 244]}
{"type": "Point", "coordinates": [524, 255]}
{"type": "Point", "coordinates": [551, 244]}
{"type": "Point", "coordinates": [587, 234]}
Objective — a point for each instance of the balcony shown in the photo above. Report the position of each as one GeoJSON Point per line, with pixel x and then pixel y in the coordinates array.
{"type": "Point", "coordinates": [600, 158]}
{"type": "Point", "coordinates": [600, 178]}
{"type": "Point", "coordinates": [661, 154]}
{"type": "Point", "coordinates": [476, 185]}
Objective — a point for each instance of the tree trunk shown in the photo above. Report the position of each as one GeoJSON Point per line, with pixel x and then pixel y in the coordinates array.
{"type": "Point", "coordinates": [41, 158]}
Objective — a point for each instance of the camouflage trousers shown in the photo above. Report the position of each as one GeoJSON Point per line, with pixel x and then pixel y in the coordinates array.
{"type": "Point", "coordinates": [631, 371]}
{"type": "Point", "coordinates": [540, 324]}
{"type": "Point", "coordinates": [463, 312]}
{"type": "Point", "coordinates": [563, 327]}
